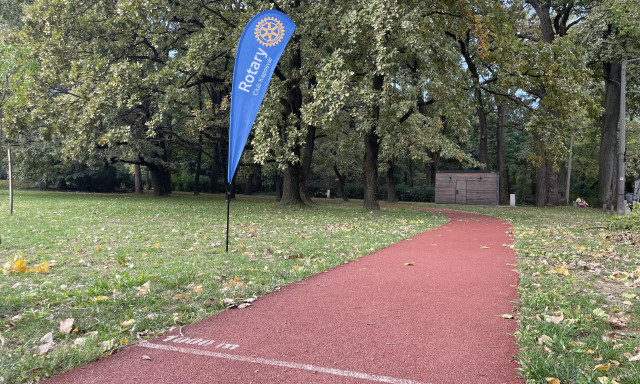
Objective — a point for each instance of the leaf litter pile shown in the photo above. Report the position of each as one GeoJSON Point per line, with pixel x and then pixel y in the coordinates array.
{"type": "Point", "coordinates": [85, 275]}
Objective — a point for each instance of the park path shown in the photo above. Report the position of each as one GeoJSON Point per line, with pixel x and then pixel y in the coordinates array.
{"type": "Point", "coordinates": [373, 320]}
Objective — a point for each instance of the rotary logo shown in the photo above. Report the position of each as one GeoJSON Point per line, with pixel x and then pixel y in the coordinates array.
{"type": "Point", "coordinates": [269, 31]}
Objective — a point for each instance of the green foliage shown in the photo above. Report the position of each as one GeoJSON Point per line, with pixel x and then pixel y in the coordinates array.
{"type": "Point", "coordinates": [185, 182]}
{"type": "Point", "coordinates": [418, 193]}
{"type": "Point", "coordinates": [630, 222]}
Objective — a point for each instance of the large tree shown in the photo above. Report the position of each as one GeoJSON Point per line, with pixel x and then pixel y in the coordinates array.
{"type": "Point", "coordinates": [552, 70]}
{"type": "Point", "coordinates": [612, 36]}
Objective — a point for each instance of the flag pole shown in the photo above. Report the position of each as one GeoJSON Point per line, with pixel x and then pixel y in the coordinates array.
{"type": "Point", "coordinates": [228, 205]}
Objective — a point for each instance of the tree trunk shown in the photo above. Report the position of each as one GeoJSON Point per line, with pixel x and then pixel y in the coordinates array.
{"type": "Point", "coordinates": [137, 178]}
{"type": "Point", "coordinates": [160, 179]}
{"type": "Point", "coordinates": [547, 180]}
{"type": "Point", "coordinates": [196, 183]}
{"type": "Point", "coordinates": [305, 167]}
{"type": "Point", "coordinates": [248, 187]}
{"type": "Point", "coordinates": [482, 127]}
{"type": "Point", "coordinates": [410, 181]}
{"type": "Point", "coordinates": [431, 167]}
{"type": "Point", "coordinates": [293, 105]}
{"type": "Point", "coordinates": [307, 157]}
{"type": "Point", "coordinates": [291, 185]}
{"type": "Point", "coordinates": [232, 190]}
{"type": "Point", "coordinates": [392, 196]}
{"type": "Point", "coordinates": [278, 182]}
{"type": "Point", "coordinates": [371, 150]}
{"type": "Point", "coordinates": [341, 181]}
{"type": "Point", "coordinates": [216, 166]}
{"type": "Point", "coordinates": [607, 170]}
{"type": "Point", "coordinates": [501, 157]}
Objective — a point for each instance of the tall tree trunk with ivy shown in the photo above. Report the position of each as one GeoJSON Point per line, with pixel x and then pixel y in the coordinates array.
{"type": "Point", "coordinates": [607, 169]}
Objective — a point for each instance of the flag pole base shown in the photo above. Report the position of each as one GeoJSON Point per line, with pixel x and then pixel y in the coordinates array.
{"type": "Point", "coordinates": [226, 250]}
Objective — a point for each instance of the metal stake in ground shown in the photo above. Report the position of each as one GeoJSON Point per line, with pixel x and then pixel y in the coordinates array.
{"type": "Point", "coordinates": [226, 249]}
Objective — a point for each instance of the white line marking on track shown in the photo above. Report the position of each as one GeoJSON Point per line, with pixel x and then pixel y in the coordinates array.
{"type": "Point", "coordinates": [284, 364]}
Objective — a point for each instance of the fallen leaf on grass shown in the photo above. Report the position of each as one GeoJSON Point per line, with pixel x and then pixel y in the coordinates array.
{"type": "Point", "coordinates": [554, 319]}
{"type": "Point", "coordinates": [20, 266]}
{"type": "Point", "coordinates": [560, 271]}
{"type": "Point", "coordinates": [144, 289]}
{"type": "Point", "coordinates": [507, 316]}
{"type": "Point", "coordinates": [602, 367]}
{"type": "Point", "coordinates": [634, 358]}
{"type": "Point", "coordinates": [197, 288]}
{"type": "Point", "coordinates": [544, 339]}
{"type": "Point", "coordinates": [127, 324]}
{"type": "Point", "coordinates": [107, 345]}
{"type": "Point", "coordinates": [599, 312]}
{"type": "Point", "coordinates": [617, 322]}
{"type": "Point", "coordinates": [66, 325]}
{"type": "Point", "coordinates": [47, 346]}
{"type": "Point", "coordinates": [552, 380]}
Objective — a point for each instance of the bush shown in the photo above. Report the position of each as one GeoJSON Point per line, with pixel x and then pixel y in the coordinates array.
{"type": "Point", "coordinates": [185, 182]}
{"type": "Point", "coordinates": [354, 191]}
{"type": "Point", "coordinates": [107, 179]}
{"type": "Point", "coordinates": [630, 222]}
{"type": "Point", "coordinates": [416, 193]}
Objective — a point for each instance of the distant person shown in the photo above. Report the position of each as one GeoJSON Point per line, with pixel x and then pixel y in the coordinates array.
{"type": "Point", "coordinates": [581, 203]}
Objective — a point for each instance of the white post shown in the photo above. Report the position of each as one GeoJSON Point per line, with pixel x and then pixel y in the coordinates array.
{"type": "Point", "coordinates": [512, 200]}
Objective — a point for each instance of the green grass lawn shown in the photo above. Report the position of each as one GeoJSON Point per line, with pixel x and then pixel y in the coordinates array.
{"type": "Point", "coordinates": [128, 267]}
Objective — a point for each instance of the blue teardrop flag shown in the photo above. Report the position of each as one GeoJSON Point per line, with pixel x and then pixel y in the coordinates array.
{"type": "Point", "coordinates": [261, 45]}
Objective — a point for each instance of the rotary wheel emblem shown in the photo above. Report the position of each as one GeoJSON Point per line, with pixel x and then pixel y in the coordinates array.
{"type": "Point", "coordinates": [269, 31]}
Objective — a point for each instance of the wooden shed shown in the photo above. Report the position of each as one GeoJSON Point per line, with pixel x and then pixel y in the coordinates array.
{"type": "Point", "coordinates": [467, 187]}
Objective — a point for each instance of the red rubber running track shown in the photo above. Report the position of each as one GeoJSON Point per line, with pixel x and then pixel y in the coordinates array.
{"type": "Point", "coordinates": [374, 320]}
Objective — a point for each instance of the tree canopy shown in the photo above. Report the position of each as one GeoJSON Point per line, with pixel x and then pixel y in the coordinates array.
{"type": "Point", "coordinates": [375, 93]}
